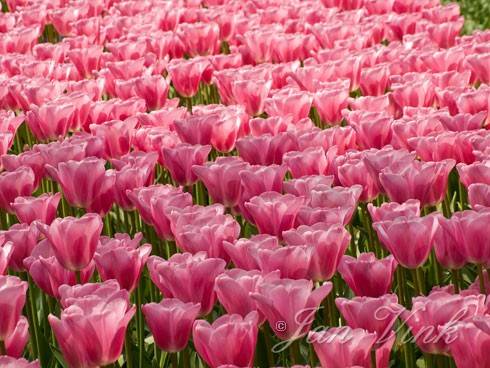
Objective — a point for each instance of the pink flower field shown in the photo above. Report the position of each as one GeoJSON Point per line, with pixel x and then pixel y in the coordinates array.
{"type": "Point", "coordinates": [244, 183]}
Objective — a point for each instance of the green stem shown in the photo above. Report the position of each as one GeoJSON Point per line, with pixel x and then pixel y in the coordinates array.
{"type": "Point", "coordinates": [33, 323]}
{"type": "Point", "coordinates": [455, 275]}
{"type": "Point", "coordinates": [373, 358]}
{"type": "Point", "coordinates": [78, 277]}
{"type": "Point", "coordinates": [127, 349]}
{"type": "Point", "coordinates": [185, 358]}
{"type": "Point", "coordinates": [140, 325]}
{"type": "Point", "coordinates": [175, 360]}
{"type": "Point", "coordinates": [417, 281]}
{"type": "Point", "coordinates": [481, 279]}
{"type": "Point", "coordinates": [3, 351]}
{"type": "Point", "coordinates": [294, 352]}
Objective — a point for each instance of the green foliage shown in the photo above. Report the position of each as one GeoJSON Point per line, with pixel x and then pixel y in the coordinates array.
{"type": "Point", "coordinates": [476, 14]}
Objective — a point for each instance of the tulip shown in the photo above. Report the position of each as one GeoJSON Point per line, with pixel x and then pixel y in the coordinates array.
{"type": "Point", "coordinates": [367, 275]}
{"type": "Point", "coordinates": [471, 225]}
{"type": "Point", "coordinates": [377, 315]}
{"type": "Point", "coordinates": [273, 212]}
{"type": "Point", "coordinates": [292, 302]}
{"type": "Point", "coordinates": [478, 172]}
{"type": "Point", "coordinates": [469, 348]}
{"type": "Point", "coordinates": [479, 195]}
{"type": "Point", "coordinates": [342, 347]}
{"type": "Point", "coordinates": [42, 208]}
{"type": "Point", "coordinates": [6, 251]}
{"type": "Point", "coordinates": [20, 182]}
{"type": "Point", "coordinates": [231, 339]}
{"type": "Point", "coordinates": [80, 325]}
{"type": "Point", "coordinates": [74, 240]}
{"type": "Point", "coordinates": [410, 240]}
{"type": "Point", "coordinates": [86, 183]}
{"type": "Point", "coordinates": [293, 262]}
{"type": "Point", "coordinates": [432, 316]}
{"type": "Point", "coordinates": [48, 274]}
{"type": "Point", "coordinates": [161, 207]}
{"type": "Point", "coordinates": [244, 252]}
{"type": "Point", "coordinates": [186, 75]}
{"type": "Point", "coordinates": [311, 161]}
{"type": "Point", "coordinates": [233, 288]}
{"type": "Point", "coordinates": [117, 135]}
{"type": "Point", "coordinates": [328, 246]}
{"type": "Point", "coordinates": [251, 94]}
{"type": "Point", "coordinates": [74, 294]}
{"type": "Point", "coordinates": [23, 238]}
{"type": "Point", "coordinates": [122, 260]}
{"type": "Point", "coordinates": [11, 362]}
{"type": "Point", "coordinates": [128, 178]}
{"type": "Point", "coordinates": [50, 120]}
{"type": "Point", "coordinates": [180, 159]}
{"type": "Point", "coordinates": [222, 179]}
{"type": "Point", "coordinates": [27, 159]}
{"type": "Point", "coordinates": [289, 102]}
{"type": "Point", "coordinates": [426, 182]}
{"type": "Point", "coordinates": [142, 197]}
{"type": "Point", "coordinates": [303, 186]}
{"type": "Point", "coordinates": [170, 322]}
{"type": "Point", "coordinates": [329, 104]}
{"type": "Point", "coordinates": [187, 277]}
{"type": "Point", "coordinates": [392, 210]}
{"type": "Point", "coordinates": [13, 297]}
{"type": "Point", "coordinates": [354, 171]}
{"type": "Point", "coordinates": [17, 341]}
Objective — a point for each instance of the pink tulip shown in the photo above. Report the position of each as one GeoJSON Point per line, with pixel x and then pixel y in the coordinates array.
{"type": "Point", "coordinates": [234, 286]}
{"type": "Point", "coordinates": [6, 141]}
{"type": "Point", "coordinates": [79, 326]}
{"type": "Point", "coordinates": [161, 206]}
{"type": "Point", "coordinates": [180, 159]}
{"type": "Point", "coordinates": [479, 195]}
{"type": "Point", "coordinates": [85, 183]}
{"type": "Point", "coordinates": [449, 243]}
{"type": "Point", "coordinates": [374, 81]}
{"type": "Point", "coordinates": [469, 348]}
{"type": "Point", "coordinates": [342, 347]}
{"type": "Point", "coordinates": [392, 210]}
{"type": "Point", "coordinates": [429, 318]}
{"type": "Point", "coordinates": [6, 251]}
{"type": "Point", "coordinates": [42, 208]}
{"type": "Point", "coordinates": [231, 339]}
{"type": "Point", "coordinates": [311, 161]}
{"type": "Point", "coordinates": [303, 186]}
{"type": "Point", "coordinates": [20, 182]}
{"type": "Point", "coordinates": [170, 322]}
{"type": "Point", "coordinates": [267, 150]}
{"type": "Point", "coordinates": [478, 172]}
{"type": "Point", "coordinates": [203, 231]}
{"type": "Point", "coordinates": [122, 260]}
{"type": "Point", "coordinates": [187, 277]}
{"type": "Point", "coordinates": [17, 341]}
{"type": "Point", "coordinates": [50, 120]}
{"type": "Point", "coordinates": [374, 129]}
{"type": "Point", "coordinates": [118, 136]}
{"type": "Point", "coordinates": [74, 240]}
{"type": "Point", "coordinates": [27, 159]}
{"type": "Point", "coordinates": [292, 303]}
{"type": "Point", "coordinates": [273, 212]}
{"type": "Point", "coordinates": [289, 102]}
{"type": "Point", "coordinates": [48, 274]}
{"type": "Point", "coordinates": [142, 198]}
{"type": "Point", "coordinates": [418, 94]}
{"type": "Point", "coordinates": [376, 315]}
{"type": "Point", "coordinates": [86, 60]}
{"type": "Point", "coordinates": [251, 94]}
{"type": "Point", "coordinates": [186, 75]}
{"type": "Point", "coordinates": [367, 275]}
{"type": "Point", "coordinates": [10, 362]}
{"type": "Point", "coordinates": [355, 171]}
{"type": "Point", "coordinates": [244, 252]}
{"type": "Point", "coordinates": [13, 297]}
{"type": "Point", "coordinates": [329, 104]}
{"type": "Point", "coordinates": [480, 64]}
{"type": "Point", "coordinates": [293, 262]}
{"type": "Point", "coordinates": [222, 179]}
{"type": "Point", "coordinates": [73, 294]}
{"type": "Point", "coordinates": [23, 238]}
{"type": "Point", "coordinates": [328, 247]}
{"type": "Point", "coordinates": [426, 182]}
{"type": "Point", "coordinates": [410, 240]}
{"type": "Point", "coordinates": [471, 225]}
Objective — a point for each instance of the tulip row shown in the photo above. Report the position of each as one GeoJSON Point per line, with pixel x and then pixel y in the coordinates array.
{"type": "Point", "coordinates": [300, 174]}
